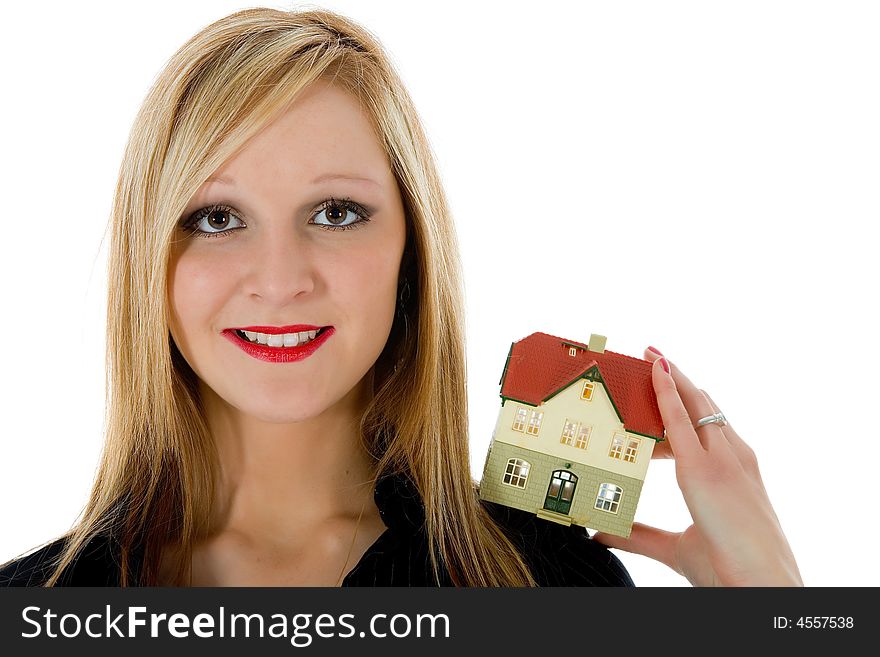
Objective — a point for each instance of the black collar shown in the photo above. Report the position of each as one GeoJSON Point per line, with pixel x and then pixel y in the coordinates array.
{"type": "Point", "coordinates": [399, 502]}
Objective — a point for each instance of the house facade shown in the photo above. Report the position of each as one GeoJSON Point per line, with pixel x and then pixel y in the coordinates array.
{"type": "Point", "coordinates": [575, 433]}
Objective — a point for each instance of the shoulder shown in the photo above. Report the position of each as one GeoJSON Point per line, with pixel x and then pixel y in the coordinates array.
{"type": "Point", "coordinates": [32, 569]}
{"type": "Point", "coordinates": [95, 566]}
{"type": "Point", "coordinates": [559, 555]}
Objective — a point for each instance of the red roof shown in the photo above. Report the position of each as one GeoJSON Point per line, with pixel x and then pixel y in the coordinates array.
{"type": "Point", "coordinates": [540, 366]}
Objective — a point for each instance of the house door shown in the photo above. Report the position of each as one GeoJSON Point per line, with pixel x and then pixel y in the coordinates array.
{"type": "Point", "coordinates": [561, 491]}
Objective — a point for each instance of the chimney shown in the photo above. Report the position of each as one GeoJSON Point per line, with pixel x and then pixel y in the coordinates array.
{"type": "Point", "coordinates": [597, 343]}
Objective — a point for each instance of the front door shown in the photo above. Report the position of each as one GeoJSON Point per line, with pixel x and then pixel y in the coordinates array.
{"type": "Point", "coordinates": [561, 491]}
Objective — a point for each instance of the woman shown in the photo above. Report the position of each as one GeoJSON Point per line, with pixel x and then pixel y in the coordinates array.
{"type": "Point", "coordinates": [278, 188]}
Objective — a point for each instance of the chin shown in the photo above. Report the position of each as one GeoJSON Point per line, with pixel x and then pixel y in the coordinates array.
{"type": "Point", "coordinates": [286, 412]}
{"type": "Point", "coordinates": [284, 418]}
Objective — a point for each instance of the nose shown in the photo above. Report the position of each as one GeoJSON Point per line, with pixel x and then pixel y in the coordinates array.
{"type": "Point", "coordinates": [283, 265]}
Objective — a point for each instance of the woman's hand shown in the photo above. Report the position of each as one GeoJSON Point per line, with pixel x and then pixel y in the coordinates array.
{"type": "Point", "coordinates": [736, 539]}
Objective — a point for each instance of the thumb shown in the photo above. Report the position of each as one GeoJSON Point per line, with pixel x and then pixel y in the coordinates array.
{"type": "Point", "coordinates": [657, 544]}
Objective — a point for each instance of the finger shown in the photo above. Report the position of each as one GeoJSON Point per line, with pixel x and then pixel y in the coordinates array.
{"type": "Point", "coordinates": [729, 431]}
{"type": "Point", "coordinates": [683, 440]}
{"type": "Point", "coordinates": [648, 541]}
{"type": "Point", "coordinates": [662, 450]}
{"type": "Point", "coordinates": [652, 354]}
{"type": "Point", "coordinates": [698, 406]}
{"type": "Point", "coordinates": [744, 453]}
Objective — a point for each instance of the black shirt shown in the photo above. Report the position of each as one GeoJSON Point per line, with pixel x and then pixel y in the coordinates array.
{"type": "Point", "coordinates": [557, 555]}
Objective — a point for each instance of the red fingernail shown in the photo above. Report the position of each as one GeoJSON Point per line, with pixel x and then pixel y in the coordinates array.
{"type": "Point", "coordinates": [655, 350]}
{"type": "Point", "coordinates": [665, 364]}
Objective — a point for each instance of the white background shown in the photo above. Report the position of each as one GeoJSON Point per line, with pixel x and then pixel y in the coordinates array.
{"type": "Point", "coordinates": [699, 176]}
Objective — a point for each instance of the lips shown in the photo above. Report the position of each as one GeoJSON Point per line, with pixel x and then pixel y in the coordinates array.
{"type": "Point", "coordinates": [280, 354]}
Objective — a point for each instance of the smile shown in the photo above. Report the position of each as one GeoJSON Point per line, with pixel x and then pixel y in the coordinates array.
{"type": "Point", "coordinates": [278, 339]}
{"type": "Point", "coordinates": [279, 347]}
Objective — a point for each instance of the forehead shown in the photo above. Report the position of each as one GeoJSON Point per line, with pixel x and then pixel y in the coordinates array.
{"type": "Point", "coordinates": [323, 131]}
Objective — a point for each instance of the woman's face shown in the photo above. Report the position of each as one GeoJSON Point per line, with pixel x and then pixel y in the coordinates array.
{"type": "Point", "coordinates": [266, 258]}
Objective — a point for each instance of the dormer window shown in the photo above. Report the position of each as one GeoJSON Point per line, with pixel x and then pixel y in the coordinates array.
{"type": "Point", "coordinates": [572, 351]}
{"type": "Point", "coordinates": [587, 392]}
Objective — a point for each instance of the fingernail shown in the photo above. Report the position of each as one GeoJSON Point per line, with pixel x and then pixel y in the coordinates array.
{"type": "Point", "coordinates": [665, 364]}
{"type": "Point", "coordinates": [655, 350]}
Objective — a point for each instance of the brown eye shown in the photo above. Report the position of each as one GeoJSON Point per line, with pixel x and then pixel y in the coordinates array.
{"type": "Point", "coordinates": [212, 221]}
{"type": "Point", "coordinates": [341, 215]}
{"type": "Point", "coordinates": [217, 219]}
{"type": "Point", "coordinates": [336, 214]}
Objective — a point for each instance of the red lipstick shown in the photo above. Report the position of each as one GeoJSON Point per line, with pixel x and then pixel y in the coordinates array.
{"type": "Point", "coordinates": [279, 354]}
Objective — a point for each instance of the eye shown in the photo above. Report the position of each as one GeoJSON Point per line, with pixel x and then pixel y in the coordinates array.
{"type": "Point", "coordinates": [214, 220]}
{"type": "Point", "coordinates": [337, 213]}
{"type": "Point", "coordinates": [214, 216]}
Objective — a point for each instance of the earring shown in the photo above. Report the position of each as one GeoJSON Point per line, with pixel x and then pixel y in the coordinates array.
{"type": "Point", "coordinates": [404, 291]}
{"type": "Point", "coordinates": [402, 299]}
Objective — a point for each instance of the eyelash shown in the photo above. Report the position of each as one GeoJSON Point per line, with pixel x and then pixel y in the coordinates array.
{"type": "Point", "coordinates": [344, 204]}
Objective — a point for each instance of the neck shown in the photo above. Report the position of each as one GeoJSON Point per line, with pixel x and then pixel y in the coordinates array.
{"type": "Point", "coordinates": [278, 479]}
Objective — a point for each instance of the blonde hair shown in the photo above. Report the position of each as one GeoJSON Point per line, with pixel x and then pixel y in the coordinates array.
{"type": "Point", "coordinates": [155, 483]}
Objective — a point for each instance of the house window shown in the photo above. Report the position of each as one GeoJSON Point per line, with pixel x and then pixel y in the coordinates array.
{"type": "Point", "coordinates": [617, 446]}
{"type": "Point", "coordinates": [632, 449]}
{"type": "Point", "coordinates": [587, 392]}
{"type": "Point", "coordinates": [519, 420]}
{"type": "Point", "coordinates": [583, 437]}
{"type": "Point", "coordinates": [572, 351]}
{"type": "Point", "coordinates": [516, 473]}
{"type": "Point", "coordinates": [535, 422]}
{"type": "Point", "coordinates": [609, 498]}
{"type": "Point", "coordinates": [568, 432]}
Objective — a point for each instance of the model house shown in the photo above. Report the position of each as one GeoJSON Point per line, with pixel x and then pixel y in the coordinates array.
{"type": "Point", "coordinates": [575, 433]}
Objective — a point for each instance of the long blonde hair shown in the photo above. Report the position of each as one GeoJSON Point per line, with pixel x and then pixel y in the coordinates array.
{"type": "Point", "coordinates": [155, 484]}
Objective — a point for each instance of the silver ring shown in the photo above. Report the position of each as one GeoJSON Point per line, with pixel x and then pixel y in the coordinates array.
{"type": "Point", "coordinates": [711, 419]}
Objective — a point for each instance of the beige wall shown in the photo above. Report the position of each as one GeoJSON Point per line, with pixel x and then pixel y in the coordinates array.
{"type": "Point", "coordinates": [599, 413]}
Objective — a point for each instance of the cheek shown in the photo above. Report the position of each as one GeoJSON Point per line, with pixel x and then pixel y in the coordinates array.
{"type": "Point", "coordinates": [371, 285]}
{"type": "Point", "coordinates": [195, 290]}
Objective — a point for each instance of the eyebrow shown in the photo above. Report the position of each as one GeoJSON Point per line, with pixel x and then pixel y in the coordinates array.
{"type": "Point", "coordinates": [226, 180]}
{"type": "Point", "coordinates": [340, 176]}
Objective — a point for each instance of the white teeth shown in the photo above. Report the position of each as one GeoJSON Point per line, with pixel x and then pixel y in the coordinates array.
{"type": "Point", "coordinates": [281, 340]}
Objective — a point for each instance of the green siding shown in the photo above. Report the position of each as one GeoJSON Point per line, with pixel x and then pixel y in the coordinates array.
{"type": "Point", "coordinates": [531, 498]}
